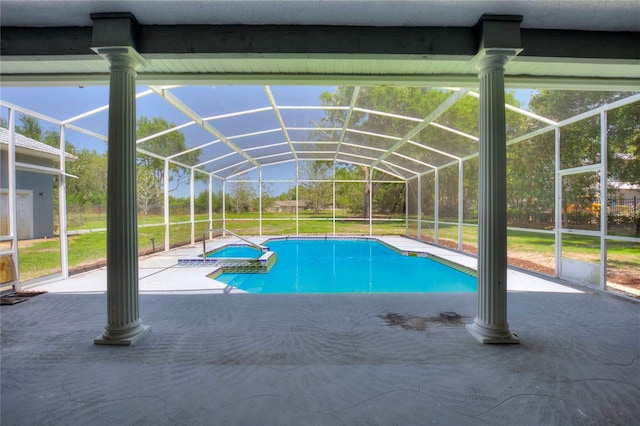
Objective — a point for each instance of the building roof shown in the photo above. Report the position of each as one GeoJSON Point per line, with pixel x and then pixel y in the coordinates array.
{"type": "Point", "coordinates": [32, 147]}
{"type": "Point", "coordinates": [624, 185]}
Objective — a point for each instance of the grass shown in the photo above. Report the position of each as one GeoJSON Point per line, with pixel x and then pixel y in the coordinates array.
{"type": "Point", "coordinates": [623, 255]}
{"type": "Point", "coordinates": [540, 247]}
{"type": "Point", "coordinates": [41, 258]}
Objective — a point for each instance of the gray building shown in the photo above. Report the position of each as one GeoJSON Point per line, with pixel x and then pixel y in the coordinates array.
{"type": "Point", "coordinates": [36, 166]}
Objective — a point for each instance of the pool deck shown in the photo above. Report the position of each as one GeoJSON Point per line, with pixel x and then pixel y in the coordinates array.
{"type": "Point", "coordinates": [160, 274]}
{"type": "Point", "coordinates": [216, 356]}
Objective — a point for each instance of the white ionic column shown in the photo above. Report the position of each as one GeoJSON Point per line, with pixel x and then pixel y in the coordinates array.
{"type": "Point", "coordinates": [124, 325]}
{"type": "Point", "coordinates": [490, 326]}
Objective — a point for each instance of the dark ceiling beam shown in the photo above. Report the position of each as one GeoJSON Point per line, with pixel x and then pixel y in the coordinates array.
{"type": "Point", "coordinates": [312, 40]}
{"type": "Point", "coordinates": [318, 40]}
{"type": "Point", "coordinates": [57, 41]}
{"type": "Point", "coordinates": [581, 44]}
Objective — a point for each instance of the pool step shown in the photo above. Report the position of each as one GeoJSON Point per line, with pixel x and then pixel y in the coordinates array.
{"type": "Point", "coordinates": [261, 265]}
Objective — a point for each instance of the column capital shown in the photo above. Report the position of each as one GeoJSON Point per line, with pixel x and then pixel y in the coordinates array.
{"type": "Point", "coordinates": [493, 59]}
{"type": "Point", "coordinates": [121, 56]}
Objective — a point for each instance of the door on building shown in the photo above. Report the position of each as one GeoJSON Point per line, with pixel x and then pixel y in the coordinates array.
{"type": "Point", "coordinates": [24, 208]}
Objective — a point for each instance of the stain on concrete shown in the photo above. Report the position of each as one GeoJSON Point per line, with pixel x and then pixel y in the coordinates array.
{"type": "Point", "coordinates": [416, 323]}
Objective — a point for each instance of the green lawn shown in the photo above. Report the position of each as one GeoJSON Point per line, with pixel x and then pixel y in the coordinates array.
{"type": "Point", "coordinates": [540, 247]}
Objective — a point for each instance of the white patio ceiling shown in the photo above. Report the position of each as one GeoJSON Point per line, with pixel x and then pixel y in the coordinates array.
{"type": "Point", "coordinates": [596, 15]}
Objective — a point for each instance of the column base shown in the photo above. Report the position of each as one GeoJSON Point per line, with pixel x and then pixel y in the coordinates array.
{"type": "Point", "coordinates": [129, 338]}
{"type": "Point", "coordinates": [492, 336]}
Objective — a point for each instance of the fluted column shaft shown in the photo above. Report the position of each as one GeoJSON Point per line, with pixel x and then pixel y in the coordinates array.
{"type": "Point", "coordinates": [124, 325]}
{"type": "Point", "coordinates": [490, 326]}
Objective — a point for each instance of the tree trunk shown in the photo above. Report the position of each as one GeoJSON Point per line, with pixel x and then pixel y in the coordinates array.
{"type": "Point", "coordinates": [365, 211]}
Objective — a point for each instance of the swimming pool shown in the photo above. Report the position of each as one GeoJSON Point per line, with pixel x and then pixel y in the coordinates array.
{"type": "Point", "coordinates": [349, 266]}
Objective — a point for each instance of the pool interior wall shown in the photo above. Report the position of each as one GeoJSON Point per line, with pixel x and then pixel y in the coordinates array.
{"type": "Point", "coordinates": [235, 251]}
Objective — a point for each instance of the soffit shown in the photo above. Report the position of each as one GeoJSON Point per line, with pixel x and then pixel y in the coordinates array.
{"type": "Point", "coordinates": [314, 71]}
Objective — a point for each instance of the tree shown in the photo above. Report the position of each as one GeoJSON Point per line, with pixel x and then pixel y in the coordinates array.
{"type": "Point", "coordinates": [148, 192]}
{"type": "Point", "coordinates": [370, 189]}
{"type": "Point", "coordinates": [216, 202]}
{"type": "Point", "coordinates": [389, 198]}
{"type": "Point", "coordinates": [580, 142]}
{"type": "Point", "coordinates": [30, 127]}
{"type": "Point", "coordinates": [409, 101]}
{"type": "Point", "coordinates": [349, 195]}
{"type": "Point", "coordinates": [164, 145]}
{"type": "Point", "coordinates": [201, 202]}
{"type": "Point", "coordinates": [241, 194]}
{"type": "Point", "coordinates": [91, 185]}
{"type": "Point", "coordinates": [268, 199]}
{"type": "Point", "coordinates": [531, 181]}
{"type": "Point", "coordinates": [316, 191]}
{"type": "Point", "coordinates": [624, 143]}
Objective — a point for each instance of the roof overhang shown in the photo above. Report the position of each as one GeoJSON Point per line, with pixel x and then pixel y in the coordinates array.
{"type": "Point", "coordinates": [38, 154]}
{"type": "Point", "coordinates": [294, 54]}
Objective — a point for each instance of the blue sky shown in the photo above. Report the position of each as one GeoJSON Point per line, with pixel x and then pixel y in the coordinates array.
{"type": "Point", "coordinates": [63, 103]}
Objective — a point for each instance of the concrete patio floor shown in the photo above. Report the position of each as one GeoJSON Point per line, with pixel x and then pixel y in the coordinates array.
{"type": "Point", "coordinates": [216, 356]}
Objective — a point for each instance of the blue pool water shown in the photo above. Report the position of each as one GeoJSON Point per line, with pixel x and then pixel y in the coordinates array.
{"type": "Point", "coordinates": [349, 266]}
{"type": "Point", "coordinates": [235, 251]}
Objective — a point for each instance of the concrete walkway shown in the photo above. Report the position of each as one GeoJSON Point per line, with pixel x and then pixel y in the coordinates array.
{"type": "Point", "coordinates": [215, 356]}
